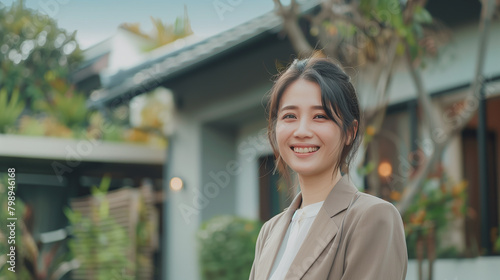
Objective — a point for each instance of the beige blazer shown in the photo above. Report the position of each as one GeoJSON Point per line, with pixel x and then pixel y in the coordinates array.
{"type": "Point", "coordinates": [371, 244]}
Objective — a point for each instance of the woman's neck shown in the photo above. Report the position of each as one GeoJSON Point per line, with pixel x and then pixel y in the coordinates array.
{"type": "Point", "coordinates": [316, 188]}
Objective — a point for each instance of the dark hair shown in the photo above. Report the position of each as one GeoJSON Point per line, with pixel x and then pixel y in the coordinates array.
{"type": "Point", "coordinates": [338, 98]}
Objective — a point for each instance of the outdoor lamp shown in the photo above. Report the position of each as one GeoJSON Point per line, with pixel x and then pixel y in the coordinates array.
{"type": "Point", "coordinates": [176, 184]}
{"type": "Point", "coordinates": [385, 169]}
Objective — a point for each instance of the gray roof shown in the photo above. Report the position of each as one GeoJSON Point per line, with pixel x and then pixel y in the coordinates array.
{"type": "Point", "coordinates": [150, 74]}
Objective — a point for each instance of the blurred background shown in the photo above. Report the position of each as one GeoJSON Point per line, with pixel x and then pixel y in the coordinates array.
{"type": "Point", "coordinates": [136, 131]}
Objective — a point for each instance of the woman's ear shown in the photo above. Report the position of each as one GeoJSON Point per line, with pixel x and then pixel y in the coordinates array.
{"type": "Point", "coordinates": [352, 132]}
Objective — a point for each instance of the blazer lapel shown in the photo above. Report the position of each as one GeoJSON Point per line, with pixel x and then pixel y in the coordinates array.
{"type": "Point", "coordinates": [273, 243]}
{"type": "Point", "coordinates": [323, 229]}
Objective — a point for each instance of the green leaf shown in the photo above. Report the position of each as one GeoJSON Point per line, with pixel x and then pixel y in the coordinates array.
{"type": "Point", "coordinates": [421, 15]}
{"type": "Point", "coordinates": [419, 30]}
{"type": "Point", "coordinates": [3, 99]}
{"type": "Point", "coordinates": [105, 183]}
{"type": "Point", "coordinates": [10, 109]}
{"type": "Point", "coordinates": [400, 49]}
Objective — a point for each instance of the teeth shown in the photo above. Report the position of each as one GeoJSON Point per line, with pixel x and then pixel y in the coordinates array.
{"type": "Point", "coordinates": [305, 150]}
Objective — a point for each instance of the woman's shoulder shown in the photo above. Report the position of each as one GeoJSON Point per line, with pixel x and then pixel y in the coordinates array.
{"type": "Point", "coordinates": [269, 224]}
{"type": "Point", "coordinates": [369, 205]}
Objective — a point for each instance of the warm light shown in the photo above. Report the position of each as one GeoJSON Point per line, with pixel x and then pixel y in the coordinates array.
{"type": "Point", "coordinates": [176, 184]}
{"type": "Point", "coordinates": [385, 169]}
{"type": "Point", "coordinates": [370, 130]}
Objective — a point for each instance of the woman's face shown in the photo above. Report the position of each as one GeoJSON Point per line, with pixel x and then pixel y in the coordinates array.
{"type": "Point", "coordinates": [308, 141]}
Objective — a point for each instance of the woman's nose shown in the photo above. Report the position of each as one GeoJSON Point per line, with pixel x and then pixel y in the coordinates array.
{"type": "Point", "coordinates": [302, 129]}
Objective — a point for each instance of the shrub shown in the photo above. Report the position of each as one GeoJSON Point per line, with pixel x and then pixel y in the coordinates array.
{"type": "Point", "coordinates": [227, 247]}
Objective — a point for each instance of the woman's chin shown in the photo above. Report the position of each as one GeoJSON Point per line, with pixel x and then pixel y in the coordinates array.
{"type": "Point", "coordinates": [305, 171]}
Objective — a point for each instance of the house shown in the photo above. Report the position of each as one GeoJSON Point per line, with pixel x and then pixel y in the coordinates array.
{"type": "Point", "coordinates": [219, 147]}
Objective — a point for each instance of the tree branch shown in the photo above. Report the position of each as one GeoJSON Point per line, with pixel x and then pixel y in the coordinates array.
{"type": "Point", "coordinates": [487, 11]}
{"type": "Point", "coordinates": [292, 28]}
{"type": "Point", "coordinates": [382, 87]}
{"type": "Point", "coordinates": [375, 117]}
{"type": "Point", "coordinates": [432, 118]}
{"type": "Point", "coordinates": [410, 8]}
{"type": "Point", "coordinates": [384, 80]}
{"type": "Point", "coordinates": [416, 184]}
{"type": "Point", "coordinates": [339, 12]}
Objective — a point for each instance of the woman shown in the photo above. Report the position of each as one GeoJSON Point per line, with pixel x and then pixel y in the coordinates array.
{"type": "Point", "coordinates": [331, 230]}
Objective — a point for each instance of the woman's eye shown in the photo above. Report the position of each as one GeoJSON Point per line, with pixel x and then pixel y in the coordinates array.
{"type": "Point", "coordinates": [321, 117]}
{"type": "Point", "coordinates": [288, 116]}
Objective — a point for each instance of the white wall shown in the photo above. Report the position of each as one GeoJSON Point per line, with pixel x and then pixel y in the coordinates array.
{"type": "Point", "coordinates": [251, 144]}
{"type": "Point", "coordinates": [219, 171]}
{"type": "Point", "coordinates": [183, 209]}
{"type": "Point", "coordinates": [454, 66]}
{"type": "Point", "coordinates": [483, 268]}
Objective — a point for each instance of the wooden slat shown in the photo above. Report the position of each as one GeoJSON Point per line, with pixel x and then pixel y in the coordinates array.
{"type": "Point", "coordinates": [123, 204]}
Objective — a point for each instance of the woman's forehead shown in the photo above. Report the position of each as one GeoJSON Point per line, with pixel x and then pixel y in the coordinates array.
{"type": "Point", "coordinates": [301, 92]}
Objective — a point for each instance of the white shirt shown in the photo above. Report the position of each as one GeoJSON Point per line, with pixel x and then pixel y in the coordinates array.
{"type": "Point", "coordinates": [296, 233]}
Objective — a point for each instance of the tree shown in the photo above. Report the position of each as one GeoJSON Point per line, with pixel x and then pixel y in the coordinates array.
{"type": "Point", "coordinates": [34, 51]}
{"type": "Point", "coordinates": [377, 32]}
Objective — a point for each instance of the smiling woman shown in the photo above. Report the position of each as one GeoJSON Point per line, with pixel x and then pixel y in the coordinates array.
{"type": "Point", "coordinates": [331, 230]}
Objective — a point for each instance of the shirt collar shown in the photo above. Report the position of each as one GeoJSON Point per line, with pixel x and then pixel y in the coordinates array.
{"type": "Point", "coordinates": [308, 211]}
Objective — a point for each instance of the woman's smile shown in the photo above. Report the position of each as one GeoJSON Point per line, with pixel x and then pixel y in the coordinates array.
{"type": "Point", "coordinates": [304, 150]}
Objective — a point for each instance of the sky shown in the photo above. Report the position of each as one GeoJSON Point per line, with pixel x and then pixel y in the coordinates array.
{"type": "Point", "coordinates": [96, 20]}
